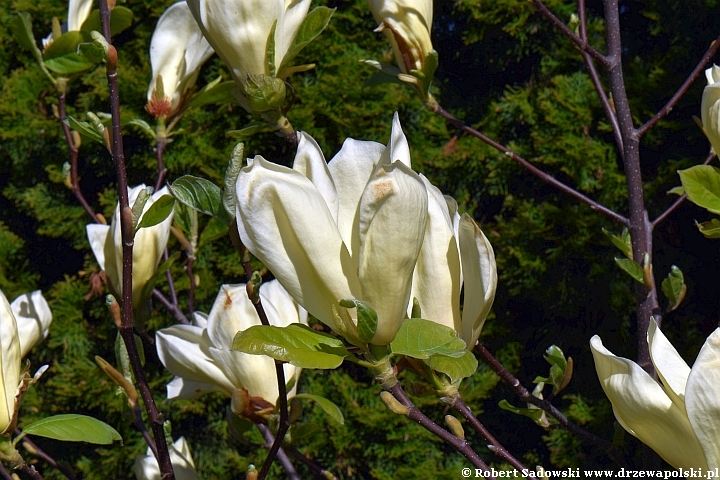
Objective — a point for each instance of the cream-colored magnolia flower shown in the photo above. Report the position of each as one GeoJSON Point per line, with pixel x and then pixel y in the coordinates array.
{"type": "Point", "coordinates": [78, 12]}
{"type": "Point", "coordinates": [455, 254]}
{"type": "Point", "coordinates": [22, 324]}
{"type": "Point", "coordinates": [177, 51]}
{"type": "Point", "coordinates": [150, 242]}
{"type": "Point", "coordinates": [710, 107]}
{"type": "Point", "coordinates": [350, 228]}
{"type": "Point", "coordinates": [199, 355]}
{"type": "Point", "coordinates": [407, 24]}
{"type": "Point", "coordinates": [146, 466]}
{"type": "Point", "coordinates": [238, 30]}
{"type": "Point", "coordinates": [679, 416]}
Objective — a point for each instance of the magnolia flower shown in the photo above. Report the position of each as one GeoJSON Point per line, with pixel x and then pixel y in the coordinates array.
{"type": "Point", "coordinates": [177, 51]}
{"type": "Point", "coordinates": [710, 107]}
{"type": "Point", "coordinates": [22, 324]}
{"type": "Point", "coordinates": [150, 242]}
{"type": "Point", "coordinates": [238, 30]}
{"type": "Point", "coordinates": [200, 356]}
{"type": "Point", "coordinates": [78, 12]}
{"type": "Point", "coordinates": [146, 466]}
{"type": "Point", "coordinates": [455, 253]}
{"type": "Point", "coordinates": [407, 24]}
{"type": "Point", "coordinates": [679, 416]}
{"type": "Point", "coordinates": [348, 229]}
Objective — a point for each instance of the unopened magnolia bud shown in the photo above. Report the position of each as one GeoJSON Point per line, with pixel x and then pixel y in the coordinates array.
{"type": "Point", "coordinates": [455, 426]}
{"type": "Point", "coordinates": [252, 473]}
{"type": "Point", "coordinates": [392, 403]}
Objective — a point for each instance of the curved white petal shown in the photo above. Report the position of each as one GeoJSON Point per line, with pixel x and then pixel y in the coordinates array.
{"type": "Point", "coordinates": [397, 147]}
{"type": "Point", "coordinates": [97, 236]}
{"type": "Point", "coordinates": [671, 368]}
{"type": "Point", "coordinates": [231, 313]}
{"type": "Point", "coordinates": [78, 12]}
{"type": "Point", "coordinates": [703, 401]}
{"type": "Point", "coordinates": [644, 409]}
{"type": "Point", "coordinates": [33, 317]}
{"type": "Point", "coordinates": [436, 280]}
{"type": "Point", "coordinates": [146, 466]}
{"type": "Point", "coordinates": [710, 113]}
{"type": "Point", "coordinates": [393, 214]}
{"type": "Point", "coordinates": [351, 170]}
{"type": "Point", "coordinates": [407, 26]}
{"type": "Point", "coordinates": [284, 221]}
{"type": "Point", "coordinates": [479, 276]}
{"type": "Point", "coordinates": [294, 14]}
{"type": "Point", "coordinates": [9, 363]}
{"type": "Point", "coordinates": [713, 74]}
{"type": "Point", "coordinates": [310, 161]}
{"type": "Point", "coordinates": [279, 306]}
{"type": "Point", "coordinates": [180, 349]}
{"type": "Point", "coordinates": [200, 319]}
{"type": "Point", "coordinates": [189, 389]}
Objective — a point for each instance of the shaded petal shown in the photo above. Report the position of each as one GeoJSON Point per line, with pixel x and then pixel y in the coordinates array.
{"type": "Point", "coordinates": [200, 319]}
{"type": "Point", "coordinates": [351, 170]}
{"type": "Point", "coordinates": [97, 236]}
{"type": "Point", "coordinates": [284, 221]}
{"type": "Point", "coordinates": [33, 317]}
{"type": "Point", "coordinates": [9, 363]}
{"type": "Point", "coordinates": [393, 214]}
{"type": "Point", "coordinates": [479, 276]}
{"type": "Point", "coordinates": [280, 308]}
{"type": "Point", "coordinates": [180, 349]}
{"type": "Point", "coordinates": [671, 368]}
{"type": "Point", "coordinates": [310, 161]}
{"type": "Point", "coordinates": [702, 399]}
{"type": "Point", "coordinates": [710, 112]}
{"type": "Point", "coordinates": [643, 408]}
{"type": "Point", "coordinates": [188, 389]}
{"type": "Point", "coordinates": [436, 280]}
{"type": "Point", "coordinates": [78, 12]}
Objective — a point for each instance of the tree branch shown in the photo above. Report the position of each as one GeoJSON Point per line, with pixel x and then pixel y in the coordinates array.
{"type": "Point", "coordinates": [281, 455]}
{"type": "Point", "coordinates": [32, 447]}
{"type": "Point", "coordinates": [177, 313]}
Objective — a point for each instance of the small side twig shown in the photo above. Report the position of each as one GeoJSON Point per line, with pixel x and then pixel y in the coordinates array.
{"type": "Point", "coordinates": [32, 447]}
{"type": "Point", "coordinates": [527, 397]}
{"type": "Point", "coordinates": [177, 313]}
{"type": "Point", "coordinates": [530, 167]}
{"type": "Point", "coordinates": [679, 201]}
{"type": "Point", "coordinates": [281, 455]}
{"type": "Point", "coordinates": [4, 472]}
{"type": "Point", "coordinates": [319, 471]}
{"type": "Point", "coordinates": [30, 471]}
{"type": "Point", "coordinates": [709, 54]}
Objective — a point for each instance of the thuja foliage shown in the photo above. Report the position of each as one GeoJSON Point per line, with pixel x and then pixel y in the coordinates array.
{"type": "Point", "coordinates": [504, 69]}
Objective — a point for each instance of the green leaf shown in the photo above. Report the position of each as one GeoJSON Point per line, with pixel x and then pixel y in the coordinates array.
{"type": "Point", "coordinates": [674, 288]}
{"type": "Point", "coordinates": [264, 93]}
{"type": "Point", "coordinates": [270, 50]}
{"type": "Point", "coordinates": [143, 126]}
{"type": "Point", "coordinates": [249, 130]}
{"type": "Point", "coordinates": [328, 407]}
{"type": "Point", "coordinates": [676, 191]}
{"type": "Point", "coordinates": [455, 368]}
{"type": "Point", "coordinates": [702, 185]}
{"type": "Point", "coordinates": [93, 52]}
{"type": "Point", "coordinates": [73, 428]}
{"type": "Point", "coordinates": [555, 356]}
{"type": "Point", "coordinates": [120, 19]}
{"type": "Point", "coordinates": [66, 43]}
{"type": "Point", "coordinates": [305, 432]}
{"type": "Point", "coordinates": [631, 267]}
{"type": "Point", "coordinates": [710, 229]}
{"type": "Point", "coordinates": [201, 195]}
{"type": "Point", "coordinates": [22, 30]}
{"type": "Point", "coordinates": [158, 212]}
{"type": "Point", "coordinates": [380, 78]}
{"type": "Point", "coordinates": [533, 413]}
{"type": "Point", "coordinates": [62, 57]}
{"type": "Point", "coordinates": [68, 64]}
{"type": "Point", "coordinates": [419, 338]}
{"type": "Point", "coordinates": [315, 22]}
{"type": "Point", "coordinates": [237, 161]}
{"type": "Point", "coordinates": [138, 206]}
{"type": "Point", "coordinates": [214, 92]}
{"type": "Point", "coordinates": [85, 129]}
{"type": "Point", "coordinates": [367, 319]}
{"type": "Point", "coordinates": [213, 230]}
{"type": "Point", "coordinates": [297, 344]}
{"type": "Point", "coordinates": [622, 242]}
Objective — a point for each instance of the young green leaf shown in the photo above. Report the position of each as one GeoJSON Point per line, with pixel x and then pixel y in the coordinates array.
{"type": "Point", "coordinates": [214, 92]}
{"type": "Point", "coordinates": [455, 368]}
{"type": "Point", "coordinates": [367, 319]}
{"type": "Point", "coordinates": [213, 230]}
{"type": "Point", "coordinates": [622, 242]}
{"type": "Point", "coordinates": [702, 185]}
{"type": "Point", "coordinates": [710, 229]}
{"type": "Point", "coordinates": [270, 50]}
{"type": "Point", "coordinates": [419, 338]}
{"type": "Point", "coordinates": [85, 129]}
{"type": "Point", "coordinates": [315, 22]}
{"type": "Point", "coordinates": [22, 30]}
{"type": "Point", "coordinates": [72, 428]}
{"type": "Point", "coordinates": [121, 19]}
{"type": "Point", "coordinates": [139, 206]}
{"type": "Point", "coordinates": [143, 126]}
{"type": "Point", "coordinates": [535, 414]}
{"type": "Point", "coordinates": [249, 130]}
{"type": "Point", "coordinates": [201, 195]}
{"type": "Point", "coordinates": [297, 344]}
{"type": "Point", "coordinates": [328, 407]}
{"type": "Point", "coordinates": [158, 212]}
{"type": "Point", "coordinates": [674, 288]}
{"type": "Point", "coordinates": [236, 163]}
{"type": "Point", "coordinates": [631, 267]}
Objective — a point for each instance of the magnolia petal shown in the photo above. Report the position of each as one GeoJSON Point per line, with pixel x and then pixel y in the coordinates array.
{"type": "Point", "coordinates": [33, 317]}
{"type": "Point", "coordinates": [181, 350]}
{"type": "Point", "coordinates": [436, 280]}
{"type": "Point", "coordinates": [351, 170]}
{"type": "Point", "coordinates": [9, 363]}
{"type": "Point", "coordinates": [479, 276]}
{"type": "Point", "coordinates": [310, 161]}
{"type": "Point", "coordinates": [293, 16]}
{"type": "Point", "coordinates": [284, 221]}
{"type": "Point", "coordinates": [146, 466]}
{"type": "Point", "coordinates": [397, 147]}
{"type": "Point", "coordinates": [231, 313]}
{"type": "Point", "coordinates": [177, 50]}
{"type": "Point", "coordinates": [671, 368]}
{"type": "Point", "coordinates": [710, 113]}
{"type": "Point", "coordinates": [702, 401]}
{"type": "Point", "coordinates": [643, 408]}
{"type": "Point", "coordinates": [393, 214]}
{"type": "Point", "coordinates": [279, 306]}
{"type": "Point", "coordinates": [713, 74]}
{"type": "Point", "coordinates": [78, 12]}
{"type": "Point", "coordinates": [188, 389]}
{"type": "Point", "coordinates": [200, 319]}
{"type": "Point", "coordinates": [97, 236]}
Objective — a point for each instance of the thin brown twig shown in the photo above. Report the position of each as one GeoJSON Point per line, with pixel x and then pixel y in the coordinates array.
{"type": "Point", "coordinates": [4, 472]}
{"type": "Point", "coordinates": [30, 471]}
{"type": "Point", "coordinates": [126, 327]}
{"type": "Point", "coordinates": [319, 471]}
{"type": "Point", "coordinates": [711, 51]}
{"type": "Point", "coordinates": [527, 397]}
{"type": "Point", "coordinates": [282, 457]}
{"type": "Point", "coordinates": [530, 167]}
{"type": "Point", "coordinates": [33, 448]}
{"type": "Point", "coordinates": [582, 44]}
{"type": "Point", "coordinates": [177, 313]}
{"type": "Point", "coordinates": [680, 200]}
